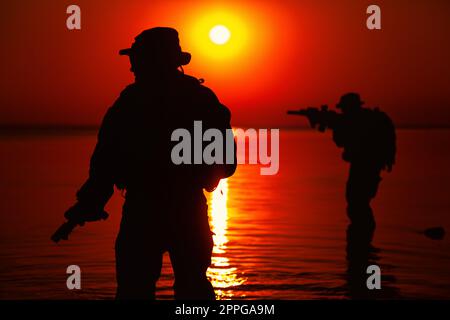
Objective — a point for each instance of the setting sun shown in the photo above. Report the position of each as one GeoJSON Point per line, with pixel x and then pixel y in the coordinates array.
{"type": "Point", "coordinates": [219, 34]}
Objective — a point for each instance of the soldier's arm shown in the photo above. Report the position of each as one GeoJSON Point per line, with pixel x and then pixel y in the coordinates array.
{"type": "Point", "coordinates": [99, 187]}
{"type": "Point", "coordinates": [339, 133]}
{"type": "Point", "coordinates": [221, 119]}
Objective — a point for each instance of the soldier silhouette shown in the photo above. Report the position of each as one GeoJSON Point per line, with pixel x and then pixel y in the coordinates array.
{"type": "Point", "coordinates": [165, 208]}
{"type": "Point", "coordinates": [369, 142]}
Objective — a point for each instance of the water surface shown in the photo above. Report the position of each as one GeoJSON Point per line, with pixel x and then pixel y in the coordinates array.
{"type": "Point", "coordinates": [276, 237]}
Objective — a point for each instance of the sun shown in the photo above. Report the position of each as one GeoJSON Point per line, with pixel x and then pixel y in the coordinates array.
{"type": "Point", "coordinates": [219, 34]}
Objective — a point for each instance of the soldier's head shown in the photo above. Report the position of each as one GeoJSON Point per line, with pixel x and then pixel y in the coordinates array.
{"type": "Point", "coordinates": [156, 51]}
{"type": "Point", "coordinates": [350, 102]}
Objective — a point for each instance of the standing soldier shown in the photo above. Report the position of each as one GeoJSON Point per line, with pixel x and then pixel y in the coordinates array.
{"type": "Point", "coordinates": [369, 142]}
{"type": "Point", "coordinates": [165, 208]}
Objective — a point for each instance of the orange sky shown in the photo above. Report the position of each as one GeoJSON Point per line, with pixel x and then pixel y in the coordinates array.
{"type": "Point", "coordinates": [281, 54]}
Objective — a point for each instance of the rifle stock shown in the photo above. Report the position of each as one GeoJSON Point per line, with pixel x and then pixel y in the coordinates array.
{"type": "Point", "coordinates": [63, 232]}
{"type": "Point", "coordinates": [77, 219]}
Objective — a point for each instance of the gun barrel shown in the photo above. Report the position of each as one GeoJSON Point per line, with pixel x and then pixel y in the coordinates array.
{"type": "Point", "coordinates": [297, 112]}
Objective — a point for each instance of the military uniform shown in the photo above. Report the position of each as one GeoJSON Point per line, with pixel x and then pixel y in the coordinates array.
{"type": "Point", "coordinates": [165, 209]}
{"type": "Point", "coordinates": [368, 139]}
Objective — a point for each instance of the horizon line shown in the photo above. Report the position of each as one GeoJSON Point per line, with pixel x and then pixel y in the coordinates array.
{"type": "Point", "coordinates": [29, 129]}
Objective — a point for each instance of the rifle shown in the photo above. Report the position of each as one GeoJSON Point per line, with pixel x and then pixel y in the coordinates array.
{"type": "Point", "coordinates": [75, 217]}
{"type": "Point", "coordinates": [321, 118]}
{"type": "Point", "coordinates": [63, 232]}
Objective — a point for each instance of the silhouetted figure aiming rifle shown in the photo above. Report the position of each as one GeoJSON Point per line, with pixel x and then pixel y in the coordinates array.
{"type": "Point", "coordinates": [369, 142]}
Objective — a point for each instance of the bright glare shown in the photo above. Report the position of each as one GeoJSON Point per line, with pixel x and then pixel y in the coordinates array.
{"type": "Point", "coordinates": [219, 34]}
{"type": "Point", "coordinates": [221, 273]}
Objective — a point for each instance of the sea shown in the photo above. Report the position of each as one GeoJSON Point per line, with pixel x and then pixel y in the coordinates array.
{"type": "Point", "coordinates": [277, 236]}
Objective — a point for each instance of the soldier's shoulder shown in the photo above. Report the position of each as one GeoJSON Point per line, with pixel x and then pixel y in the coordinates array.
{"type": "Point", "coordinates": [192, 80]}
{"type": "Point", "coordinates": [129, 91]}
{"type": "Point", "coordinates": [380, 113]}
{"type": "Point", "coordinates": [126, 97]}
{"type": "Point", "coordinates": [209, 99]}
{"type": "Point", "coordinates": [197, 84]}
{"type": "Point", "coordinates": [381, 118]}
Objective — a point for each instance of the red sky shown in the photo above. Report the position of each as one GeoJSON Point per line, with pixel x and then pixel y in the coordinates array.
{"type": "Point", "coordinates": [281, 55]}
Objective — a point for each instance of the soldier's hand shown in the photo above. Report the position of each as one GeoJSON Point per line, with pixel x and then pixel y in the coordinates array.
{"type": "Point", "coordinates": [81, 213]}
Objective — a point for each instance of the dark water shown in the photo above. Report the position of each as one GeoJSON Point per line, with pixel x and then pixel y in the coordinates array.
{"type": "Point", "coordinates": [280, 237]}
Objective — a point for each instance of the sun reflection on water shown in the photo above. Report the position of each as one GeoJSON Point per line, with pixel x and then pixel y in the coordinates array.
{"type": "Point", "coordinates": [222, 275]}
